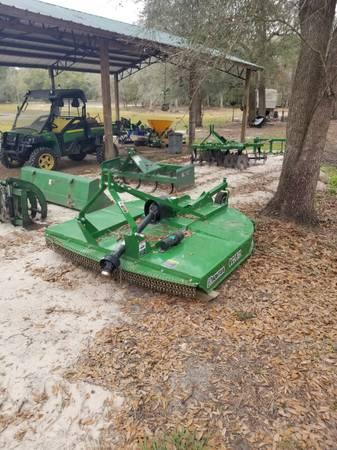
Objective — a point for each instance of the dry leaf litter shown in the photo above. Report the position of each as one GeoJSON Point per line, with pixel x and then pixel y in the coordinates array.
{"type": "Point", "coordinates": [256, 368]}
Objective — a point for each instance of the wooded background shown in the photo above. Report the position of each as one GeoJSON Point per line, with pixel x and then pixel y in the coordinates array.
{"type": "Point", "coordinates": [254, 30]}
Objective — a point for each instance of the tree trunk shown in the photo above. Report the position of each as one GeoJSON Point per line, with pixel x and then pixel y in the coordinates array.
{"type": "Point", "coordinates": [262, 55]}
{"type": "Point", "coordinates": [221, 100]}
{"type": "Point", "coordinates": [309, 114]}
{"type": "Point", "coordinates": [192, 90]}
{"type": "Point", "coordinates": [262, 94]}
{"type": "Point", "coordinates": [252, 99]}
{"type": "Point", "coordinates": [198, 120]}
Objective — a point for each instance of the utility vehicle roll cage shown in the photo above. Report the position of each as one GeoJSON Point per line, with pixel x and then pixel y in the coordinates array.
{"type": "Point", "coordinates": [56, 98]}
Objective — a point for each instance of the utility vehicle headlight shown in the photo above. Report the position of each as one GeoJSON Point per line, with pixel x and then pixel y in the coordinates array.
{"type": "Point", "coordinates": [28, 140]}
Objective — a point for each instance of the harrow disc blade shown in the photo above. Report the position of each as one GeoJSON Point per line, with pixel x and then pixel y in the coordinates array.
{"type": "Point", "coordinates": [242, 163]}
{"type": "Point", "coordinates": [226, 161]}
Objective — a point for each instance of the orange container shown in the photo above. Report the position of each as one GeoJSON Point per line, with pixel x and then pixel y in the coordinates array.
{"type": "Point", "coordinates": [160, 125]}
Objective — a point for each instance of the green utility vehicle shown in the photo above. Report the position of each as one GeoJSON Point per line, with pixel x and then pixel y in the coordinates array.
{"type": "Point", "coordinates": [48, 125]}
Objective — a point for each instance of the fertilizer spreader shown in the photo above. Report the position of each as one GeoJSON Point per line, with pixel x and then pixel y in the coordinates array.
{"type": "Point", "coordinates": [174, 244]}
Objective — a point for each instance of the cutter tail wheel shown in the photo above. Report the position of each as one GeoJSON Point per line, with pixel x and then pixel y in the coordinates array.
{"type": "Point", "coordinates": [221, 197]}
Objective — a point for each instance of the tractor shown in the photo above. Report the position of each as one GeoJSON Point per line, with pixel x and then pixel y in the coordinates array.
{"type": "Point", "coordinates": [51, 124]}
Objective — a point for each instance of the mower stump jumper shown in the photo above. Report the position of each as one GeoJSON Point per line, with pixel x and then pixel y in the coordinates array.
{"type": "Point", "coordinates": [172, 245]}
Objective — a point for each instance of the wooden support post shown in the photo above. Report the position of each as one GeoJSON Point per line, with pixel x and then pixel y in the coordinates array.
{"type": "Point", "coordinates": [116, 87]}
{"type": "Point", "coordinates": [245, 105]}
{"type": "Point", "coordinates": [52, 78]}
{"type": "Point", "coordinates": [110, 148]}
{"type": "Point", "coordinates": [193, 98]}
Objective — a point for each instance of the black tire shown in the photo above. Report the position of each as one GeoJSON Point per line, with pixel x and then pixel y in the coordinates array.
{"type": "Point", "coordinates": [100, 153]}
{"type": "Point", "coordinates": [78, 157]}
{"type": "Point", "coordinates": [221, 197]}
{"type": "Point", "coordinates": [8, 162]}
{"type": "Point", "coordinates": [43, 158]}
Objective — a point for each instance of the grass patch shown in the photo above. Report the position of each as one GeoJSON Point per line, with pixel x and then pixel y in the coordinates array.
{"type": "Point", "coordinates": [218, 117]}
{"type": "Point", "coordinates": [179, 440]}
{"type": "Point", "coordinates": [243, 316]}
{"type": "Point", "coordinates": [331, 172]}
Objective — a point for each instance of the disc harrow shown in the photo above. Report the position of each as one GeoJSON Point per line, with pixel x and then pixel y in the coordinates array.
{"type": "Point", "coordinates": [215, 149]}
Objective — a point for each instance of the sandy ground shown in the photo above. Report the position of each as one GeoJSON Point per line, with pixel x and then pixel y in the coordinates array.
{"type": "Point", "coordinates": [51, 310]}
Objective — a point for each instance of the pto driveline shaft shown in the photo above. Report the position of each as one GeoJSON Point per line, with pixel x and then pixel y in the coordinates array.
{"type": "Point", "coordinates": [111, 262]}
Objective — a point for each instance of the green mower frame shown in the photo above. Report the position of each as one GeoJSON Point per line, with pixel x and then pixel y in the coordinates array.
{"type": "Point", "coordinates": [175, 244]}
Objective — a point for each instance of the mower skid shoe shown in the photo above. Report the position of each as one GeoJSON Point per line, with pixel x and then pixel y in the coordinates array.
{"type": "Point", "coordinates": [207, 298]}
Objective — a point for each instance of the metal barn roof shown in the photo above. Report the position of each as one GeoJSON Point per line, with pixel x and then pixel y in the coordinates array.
{"type": "Point", "coordinates": [42, 35]}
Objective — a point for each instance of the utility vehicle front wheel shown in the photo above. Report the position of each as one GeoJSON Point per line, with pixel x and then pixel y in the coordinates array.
{"type": "Point", "coordinates": [8, 162]}
{"type": "Point", "coordinates": [43, 158]}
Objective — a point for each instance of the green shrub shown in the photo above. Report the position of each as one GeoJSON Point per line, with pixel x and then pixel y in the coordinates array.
{"type": "Point", "coordinates": [333, 184]}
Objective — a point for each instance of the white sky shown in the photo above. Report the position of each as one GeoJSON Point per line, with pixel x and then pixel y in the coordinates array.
{"type": "Point", "coordinates": [124, 10]}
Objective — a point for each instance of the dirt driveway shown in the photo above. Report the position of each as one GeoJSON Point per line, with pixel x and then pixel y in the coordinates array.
{"type": "Point", "coordinates": [51, 314]}
{"type": "Point", "coordinates": [51, 310]}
